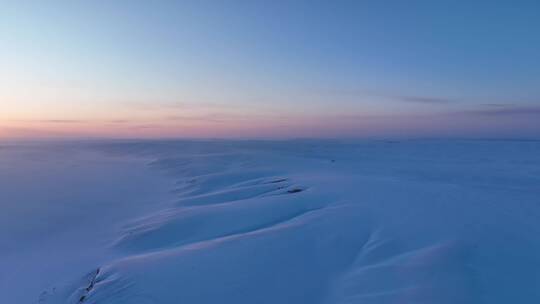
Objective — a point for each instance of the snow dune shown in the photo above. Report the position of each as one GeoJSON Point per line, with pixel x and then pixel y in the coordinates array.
{"type": "Point", "coordinates": [61, 207]}
{"type": "Point", "coordinates": [326, 222]}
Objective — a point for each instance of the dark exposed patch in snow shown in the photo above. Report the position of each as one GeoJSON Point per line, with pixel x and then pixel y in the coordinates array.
{"type": "Point", "coordinates": [90, 286]}
{"type": "Point", "coordinates": [295, 190]}
{"type": "Point", "coordinates": [277, 181]}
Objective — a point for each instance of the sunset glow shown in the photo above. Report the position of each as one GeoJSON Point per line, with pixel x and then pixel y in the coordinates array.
{"type": "Point", "coordinates": [190, 69]}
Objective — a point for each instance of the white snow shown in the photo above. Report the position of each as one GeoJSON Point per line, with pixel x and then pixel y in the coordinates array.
{"type": "Point", "coordinates": [60, 211]}
{"type": "Point", "coordinates": [423, 221]}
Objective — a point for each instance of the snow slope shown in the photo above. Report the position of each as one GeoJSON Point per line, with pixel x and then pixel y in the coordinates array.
{"type": "Point", "coordinates": [60, 209]}
{"type": "Point", "coordinates": [327, 222]}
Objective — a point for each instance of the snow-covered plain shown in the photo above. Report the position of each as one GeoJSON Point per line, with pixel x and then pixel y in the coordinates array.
{"type": "Point", "coordinates": [273, 222]}
{"type": "Point", "coordinates": [61, 207]}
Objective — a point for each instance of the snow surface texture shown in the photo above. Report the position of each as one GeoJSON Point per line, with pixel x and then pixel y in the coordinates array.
{"type": "Point", "coordinates": [60, 209]}
{"type": "Point", "coordinates": [327, 222]}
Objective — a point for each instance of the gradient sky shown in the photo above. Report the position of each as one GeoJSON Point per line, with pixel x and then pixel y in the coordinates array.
{"type": "Point", "coordinates": [269, 68]}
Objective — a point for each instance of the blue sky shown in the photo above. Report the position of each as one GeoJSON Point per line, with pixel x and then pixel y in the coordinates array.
{"type": "Point", "coordinates": [270, 68]}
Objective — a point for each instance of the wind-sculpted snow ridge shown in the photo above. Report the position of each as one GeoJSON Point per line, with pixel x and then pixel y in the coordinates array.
{"type": "Point", "coordinates": [319, 222]}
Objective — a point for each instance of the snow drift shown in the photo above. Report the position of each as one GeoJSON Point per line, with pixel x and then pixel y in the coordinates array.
{"type": "Point", "coordinates": [326, 222]}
